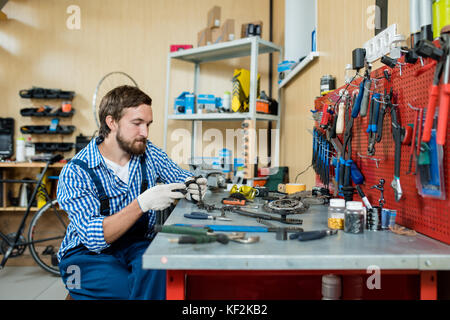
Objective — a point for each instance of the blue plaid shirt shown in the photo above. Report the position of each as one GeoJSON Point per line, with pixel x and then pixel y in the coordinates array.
{"type": "Point", "coordinates": [77, 194]}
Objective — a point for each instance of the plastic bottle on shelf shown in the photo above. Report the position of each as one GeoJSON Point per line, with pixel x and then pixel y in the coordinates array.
{"type": "Point", "coordinates": [226, 101]}
{"type": "Point", "coordinates": [336, 214]}
{"type": "Point", "coordinates": [20, 149]}
{"type": "Point", "coordinates": [354, 217]}
{"type": "Point", "coordinates": [29, 149]}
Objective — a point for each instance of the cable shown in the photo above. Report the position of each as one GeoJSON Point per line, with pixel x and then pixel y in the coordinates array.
{"type": "Point", "coordinates": [340, 97]}
{"type": "Point", "coordinates": [295, 181]}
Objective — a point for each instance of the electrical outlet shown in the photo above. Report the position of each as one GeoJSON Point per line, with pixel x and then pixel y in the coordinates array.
{"type": "Point", "coordinates": [380, 45]}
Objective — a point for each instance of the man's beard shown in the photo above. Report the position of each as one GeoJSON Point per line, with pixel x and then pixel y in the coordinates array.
{"type": "Point", "coordinates": [134, 147]}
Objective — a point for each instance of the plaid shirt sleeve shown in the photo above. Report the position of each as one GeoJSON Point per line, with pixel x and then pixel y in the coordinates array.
{"type": "Point", "coordinates": [167, 170]}
{"type": "Point", "coordinates": [77, 195]}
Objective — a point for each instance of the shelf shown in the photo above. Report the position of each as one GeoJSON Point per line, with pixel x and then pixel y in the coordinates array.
{"type": "Point", "coordinates": [32, 112]}
{"type": "Point", "coordinates": [18, 209]}
{"type": "Point", "coordinates": [11, 164]}
{"type": "Point", "coordinates": [226, 50]}
{"type": "Point", "coordinates": [60, 129]}
{"type": "Point", "coordinates": [22, 209]}
{"type": "Point", "coordinates": [222, 117]}
{"type": "Point", "coordinates": [309, 58]}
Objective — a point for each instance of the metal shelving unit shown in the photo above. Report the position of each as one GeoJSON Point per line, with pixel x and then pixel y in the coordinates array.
{"type": "Point", "coordinates": [253, 47]}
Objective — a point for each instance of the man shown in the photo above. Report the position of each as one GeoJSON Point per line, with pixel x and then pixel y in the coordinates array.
{"type": "Point", "coordinates": [110, 192]}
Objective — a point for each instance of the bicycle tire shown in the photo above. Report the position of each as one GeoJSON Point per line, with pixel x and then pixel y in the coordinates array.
{"type": "Point", "coordinates": [52, 223]}
{"type": "Point", "coordinates": [107, 83]}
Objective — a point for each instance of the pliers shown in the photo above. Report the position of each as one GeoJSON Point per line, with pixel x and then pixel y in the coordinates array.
{"type": "Point", "coordinates": [204, 216]}
{"type": "Point", "coordinates": [345, 160]}
{"type": "Point", "coordinates": [192, 235]}
{"type": "Point", "coordinates": [386, 105]}
{"type": "Point", "coordinates": [372, 129]}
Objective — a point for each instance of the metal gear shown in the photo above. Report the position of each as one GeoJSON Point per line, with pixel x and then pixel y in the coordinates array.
{"type": "Point", "coordinates": [286, 206]}
{"type": "Point", "coordinates": [18, 250]}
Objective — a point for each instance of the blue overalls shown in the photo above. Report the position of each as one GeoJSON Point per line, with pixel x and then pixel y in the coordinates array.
{"type": "Point", "coordinates": [116, 272]}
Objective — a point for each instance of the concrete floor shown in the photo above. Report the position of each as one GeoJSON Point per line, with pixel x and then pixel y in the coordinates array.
{"type": "Point", "coordinates": [30, 283]}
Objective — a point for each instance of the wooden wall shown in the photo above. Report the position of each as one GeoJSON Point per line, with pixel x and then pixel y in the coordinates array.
{"type": "Point", "coordinates": [342, 26]}
{"type": "Point", "coordinates": [37, 48]}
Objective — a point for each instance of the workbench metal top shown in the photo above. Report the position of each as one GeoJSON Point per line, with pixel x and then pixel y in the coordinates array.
{"type": "Point", "coordinates": [383, 249]}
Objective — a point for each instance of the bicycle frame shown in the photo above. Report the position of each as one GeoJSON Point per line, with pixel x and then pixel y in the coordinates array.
{"type": "Point", "coordinates": [15, 243]}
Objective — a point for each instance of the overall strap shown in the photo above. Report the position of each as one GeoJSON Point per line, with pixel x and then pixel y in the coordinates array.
{"type": "Point", "coordinates": [144, 184]}
{"type": "Point", "coordinates": [104, 200]}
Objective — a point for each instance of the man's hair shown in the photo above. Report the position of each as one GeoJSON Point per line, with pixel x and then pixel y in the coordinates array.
{"type": "Point", "coordinates": [114, 103]}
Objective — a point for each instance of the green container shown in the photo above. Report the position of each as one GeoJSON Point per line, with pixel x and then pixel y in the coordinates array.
{"type": "Point", "coordinates": [441, 16]}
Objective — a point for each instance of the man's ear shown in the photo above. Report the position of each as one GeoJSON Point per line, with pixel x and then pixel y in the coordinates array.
{"type": "Point", "coordinates": [111, 123]}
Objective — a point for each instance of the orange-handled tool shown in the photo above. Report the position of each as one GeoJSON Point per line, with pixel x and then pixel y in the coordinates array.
{"type": "Point", "coordinates": [444, 105]}
{"type": "Point", "coordinates": [431, 110]}
{"type": "Point", "coordinates": [445, 90]}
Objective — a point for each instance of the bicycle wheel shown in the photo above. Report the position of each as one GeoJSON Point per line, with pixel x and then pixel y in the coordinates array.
{"type": "Point", "coordinates": [46, 232]}
{"type": "Point", "coordinates": [107, 83]}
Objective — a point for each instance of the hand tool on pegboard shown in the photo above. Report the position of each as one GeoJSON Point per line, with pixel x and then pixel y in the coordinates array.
{"type": "Point", "coordinates": [348, 171]}
{"type": "Point", "coordinates": [412, 150]}
{"type": "Point", "coordinates": [397, 134]}
{"type": "Point", "coordinates": [427, 49]}
{"type": "Point", "coordinates": [372, 129]}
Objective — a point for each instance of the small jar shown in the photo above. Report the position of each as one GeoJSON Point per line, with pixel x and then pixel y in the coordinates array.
{"type": "Point", "coordinates": [354, 217]}
{"type": "Point", "coordinates": [327, 83]}
{"type": "Point", "coordinates": [336, 214]}
{"type": "Point", "coordinates": [392, 216]}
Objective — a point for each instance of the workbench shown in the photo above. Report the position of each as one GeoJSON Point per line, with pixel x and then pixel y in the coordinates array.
{"type": "Point", "coordinates": [341, 254]}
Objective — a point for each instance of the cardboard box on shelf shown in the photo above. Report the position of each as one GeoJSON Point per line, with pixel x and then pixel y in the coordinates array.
{"type": "Point", "coordinates": [257, 29]}
{"type": "Point", "coordinates": [215, 35]}
{"type": "Point", "coordinates": [214, 17]}
{"type": "Point", "coordinates": [204, 37]}
{"type": "Point", "coordinates": [226, 32]}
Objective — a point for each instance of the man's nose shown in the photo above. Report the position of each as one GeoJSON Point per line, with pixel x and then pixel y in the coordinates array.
{"type": "Point", "coordinates": [143, 130]}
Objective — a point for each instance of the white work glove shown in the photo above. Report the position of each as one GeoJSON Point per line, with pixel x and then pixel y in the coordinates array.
{"type": "Point", "coordinates": [160, 197]}
{"type": "Point", "coordinates": [193, 188]}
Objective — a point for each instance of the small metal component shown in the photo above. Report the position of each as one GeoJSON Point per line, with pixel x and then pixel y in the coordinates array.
{"type": "Point", "coordinates": [240, 238]}
{"type": "Point", "coordinates": [380, 187]}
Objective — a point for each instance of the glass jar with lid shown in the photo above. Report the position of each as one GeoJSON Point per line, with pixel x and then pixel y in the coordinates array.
{"type": "Point", "coordinates": [336, 214]}
{"type": "Point", "coordinates": [354, 217]}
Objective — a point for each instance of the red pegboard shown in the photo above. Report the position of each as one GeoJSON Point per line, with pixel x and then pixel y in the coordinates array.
{"type": "Point", "coordinates": [428, 216]}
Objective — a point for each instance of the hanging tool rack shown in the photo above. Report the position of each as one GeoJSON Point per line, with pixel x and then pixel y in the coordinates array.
{"type": "Point", "coordinates": [428, 216]}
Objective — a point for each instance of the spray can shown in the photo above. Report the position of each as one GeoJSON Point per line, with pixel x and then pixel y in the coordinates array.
{"type": "Point", "coordinates": [441, 16]}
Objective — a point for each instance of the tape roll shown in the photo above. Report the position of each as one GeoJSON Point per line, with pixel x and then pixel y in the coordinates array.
{"type": "Point", "coordinates": [295, 187]}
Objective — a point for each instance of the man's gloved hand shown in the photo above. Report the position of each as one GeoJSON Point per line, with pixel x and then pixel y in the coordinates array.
{"type": "Point", "coordinates": [160, 197]}
{"type": "Point", "coordinates": [193, 185]}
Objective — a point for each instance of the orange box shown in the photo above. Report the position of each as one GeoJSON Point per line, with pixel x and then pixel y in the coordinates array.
{"type": "Point", "coordinates": [262, 106]}
{"type": "Point", "coordinates": [259, 183]}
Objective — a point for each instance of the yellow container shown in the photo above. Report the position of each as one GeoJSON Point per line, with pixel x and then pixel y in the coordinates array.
{"type": "Point", "coordinates": [441, 16]}
{"type": "Point", "coordinates": [295, 187]}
